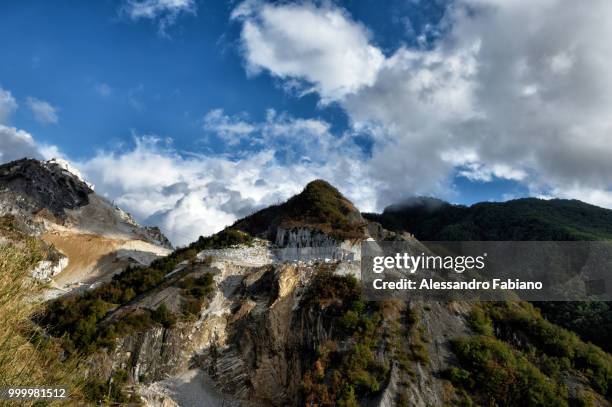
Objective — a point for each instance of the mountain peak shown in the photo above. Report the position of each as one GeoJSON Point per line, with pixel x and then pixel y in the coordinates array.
{"type": "Point", "coordinates": [320, 206]}
{"type": "Point", "coordinates": [321, 183]}
{"type": "Point", "coordinates": [56, 192]}
{"type": "Point", "coordinates": [33, 185]}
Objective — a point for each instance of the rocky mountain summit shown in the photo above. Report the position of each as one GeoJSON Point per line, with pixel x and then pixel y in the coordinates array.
{"type": "Point", "coordinates": [55, 194]}
{"type": "Point", "coordinates": [269, 312]}
{"type": "Point", "coordinates": [30, 187]}
{"type": "Point", "coordinates": [91, 237]}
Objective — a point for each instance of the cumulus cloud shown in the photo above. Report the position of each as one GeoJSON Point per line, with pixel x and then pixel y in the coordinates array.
{"type": "Point", "coordinates": [43, 111]}
{"type": "Point", "coordinates": [16, 144]}
{"type": "Point", "coordinates": [8, 105]}
{"type": "Point", "coordinates": [320, 46]}
{"type": "Point", "coordinates": [485, 101]}
{"type": "Point", "coordinates": [189, 195]}
{"type": "Point", "coordinates": [164, 12]}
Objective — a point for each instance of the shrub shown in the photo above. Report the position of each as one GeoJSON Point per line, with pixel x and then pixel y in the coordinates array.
{"type": "Point", "coordinates": [548, 348]}
{"type": "Point", "coordinates": [555, 342]}
{"type": "Point", "coordinates": [319, 206]}
{"type": "Point", "coordinates": [223, 239]}
{"type": "Point", "coordinates": [480, 321]}
{"type": "Point", "coordinates": [502, 376]}
{"type": "Point", "coordinates": [342, 375]}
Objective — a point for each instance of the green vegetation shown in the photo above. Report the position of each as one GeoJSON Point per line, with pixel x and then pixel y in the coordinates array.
{"type": "Point", "coordinates": [498, 375]}
{"type": "Point", "coordinates": [521, 219]}
{"type": "Point", "coordinates": [10, 229]}
{"type": "Point", "coordinates": [226, 238]}
{"type": "Point", "coordinates": [591, 320]}
{"type": "Point", "coordinates": [556, 342]}
{"type": "Point", "coordinates": [519, 355]}
{"type": "Point", "coordinates": [85, 323]}
{"type": "Point", "coordinates": [110, 392]}
{"type": "Point", "coordinates": [348, 367]}
{"type": "Point", "coordinates": [417, 350]}
{"type": "Point", "coordinates": [345, 369]}
{"type": "Point", "coordinates": [195, 291]}
{"type": "Point", "coordinates": [77, 319]}
{"type": "Point", "coordinates": [319, 206]}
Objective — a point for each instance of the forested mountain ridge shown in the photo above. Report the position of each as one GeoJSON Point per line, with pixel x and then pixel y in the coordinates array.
{"type": "Point", "coordinates": [519, 219]}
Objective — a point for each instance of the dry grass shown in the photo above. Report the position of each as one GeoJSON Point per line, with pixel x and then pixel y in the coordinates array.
{"type": "Point", "coordinates": [24, 361]}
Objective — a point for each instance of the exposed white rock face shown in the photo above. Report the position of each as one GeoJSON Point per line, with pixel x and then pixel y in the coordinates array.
{"type": "Point", "coordinates": [305, 245]}
{"type": "Point", "coordinates": [299, 245]}
{"type": "Point", "coordinates": [47, 269]}
{"type": "Point", "coordinates": [52, 195]}
{"type": "Point", "coordinates": [258, 254]}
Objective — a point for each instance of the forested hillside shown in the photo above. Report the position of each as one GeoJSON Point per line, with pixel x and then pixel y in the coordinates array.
{"type": "Point", "coordinates": [521, 219]}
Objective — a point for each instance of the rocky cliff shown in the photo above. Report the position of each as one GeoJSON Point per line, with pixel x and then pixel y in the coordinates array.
{"type": "Point", "coordinates": [92, 238]}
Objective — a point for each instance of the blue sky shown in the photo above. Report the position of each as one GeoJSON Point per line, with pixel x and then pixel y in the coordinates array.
{"type": "Point", "coordinates": [242, 103]}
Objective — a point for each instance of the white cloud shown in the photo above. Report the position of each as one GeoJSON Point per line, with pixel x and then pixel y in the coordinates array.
{"type": "Point", "coordinates": [530, 104]}
{"type": "Point", "coordinates": [165, 12]}
{"type": "Point", "coordinates": [321, 46]}
{"type": "Point", "coordinates": [43, 111]}
{"type": "Point", "coordinates": [16, 144]}
{"type": "Point", "coordinates": [294, 138]}
{"type": "Point", "coordinates": [232, 130]}
{"type": "Point", "coordinates": [189, 195]}
{"type": "Point", "coordinates": [595, 196]}
{"type": "Point", "coordinates": [8, 105]}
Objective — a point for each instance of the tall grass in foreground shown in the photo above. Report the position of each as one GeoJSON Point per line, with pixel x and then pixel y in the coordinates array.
{"type": "Point", "coordinates": [27, 359]}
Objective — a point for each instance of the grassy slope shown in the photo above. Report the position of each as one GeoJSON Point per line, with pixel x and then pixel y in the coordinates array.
{"type": "Point", "coordinates": [25, 358]}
